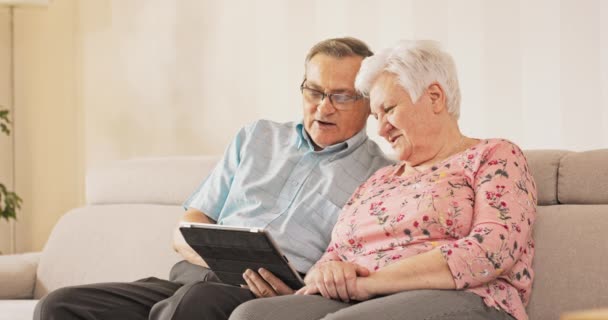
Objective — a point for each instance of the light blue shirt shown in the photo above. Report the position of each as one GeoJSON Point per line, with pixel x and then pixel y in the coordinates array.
{"type": "Point", "coordinates": [270, 177]}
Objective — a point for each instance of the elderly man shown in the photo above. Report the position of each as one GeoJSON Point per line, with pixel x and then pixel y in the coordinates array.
{"type": "Point", "coordinates": [291, 179]}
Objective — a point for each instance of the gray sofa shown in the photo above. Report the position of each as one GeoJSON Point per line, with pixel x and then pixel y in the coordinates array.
{"type": "Point", "coordinates": [124, 232]}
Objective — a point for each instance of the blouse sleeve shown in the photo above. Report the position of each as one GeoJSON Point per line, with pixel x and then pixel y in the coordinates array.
{"type": "Point", "coordinates": [504, 212]}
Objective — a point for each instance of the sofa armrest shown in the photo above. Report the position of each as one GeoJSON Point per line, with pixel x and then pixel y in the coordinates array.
{"type": "Point", "coordinates": [18, 275]}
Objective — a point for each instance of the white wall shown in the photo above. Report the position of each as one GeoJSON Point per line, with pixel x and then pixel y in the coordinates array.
{"type": "Point", "coordinates": [6, 150]}
{"type": "Point", "coordinates": [48, 149]}
{"type": "Point", "coordinates": [137, 78]}
{"type": "Point", "coordinates": [181, 77]}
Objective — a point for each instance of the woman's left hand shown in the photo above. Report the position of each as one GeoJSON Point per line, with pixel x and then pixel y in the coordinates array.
{"type": "Point", "coordinates": [362, 290]}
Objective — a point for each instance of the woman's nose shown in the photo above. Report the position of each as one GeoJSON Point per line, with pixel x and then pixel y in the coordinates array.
{"type": "Point", "coordinates": [383, 126]}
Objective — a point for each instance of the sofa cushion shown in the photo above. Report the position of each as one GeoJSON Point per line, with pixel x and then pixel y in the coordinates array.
{"type": "Point", "coordinates": [18, 275]}
{"type": "Point", "coordinates": [108, 243]}
{"type": "Point", "coordinates": [544, 166]}
{"type": "Point", "coordinates": [570, 260]}
{"type": "Point", "coordinates": [583, 178]}
{"type": "Point", "coordinates": [167, 181]}
{"type": "Point", "coordinates": [17, 309]}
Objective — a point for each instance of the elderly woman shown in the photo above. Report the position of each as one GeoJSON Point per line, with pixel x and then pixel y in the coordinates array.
{"type": "Point", "coordinates": [444, 234]}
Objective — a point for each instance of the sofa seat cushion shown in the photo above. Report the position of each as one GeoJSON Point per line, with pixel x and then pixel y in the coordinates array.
{"type": "Point", "coordinates": [17, 309]}
{"type": "Point", "coordinates": [570, 260]}
{"type": "Point", "coordinates": [107, 243]}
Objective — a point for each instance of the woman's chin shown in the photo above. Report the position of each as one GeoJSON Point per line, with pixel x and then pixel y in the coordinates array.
{"type": "Point", "coordinates": [401, 153]}
{"type": "Point", "coordinates": [402, 156]}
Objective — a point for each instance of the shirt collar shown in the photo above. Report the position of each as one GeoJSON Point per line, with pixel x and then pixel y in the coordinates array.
{"type": "Point", "coordinates": [302, 137]}
{"type": "Point", "coordinates": [339, 149]}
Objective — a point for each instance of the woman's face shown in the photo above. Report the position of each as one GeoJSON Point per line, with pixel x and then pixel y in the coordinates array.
{"type": "Point", "coordinates": [409, 127]}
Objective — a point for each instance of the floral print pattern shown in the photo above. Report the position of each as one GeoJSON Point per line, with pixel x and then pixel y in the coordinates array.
{"type": "Point", "coordinates": [478, 207]}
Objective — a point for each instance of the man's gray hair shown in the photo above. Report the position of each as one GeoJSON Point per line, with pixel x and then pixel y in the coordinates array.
{"type": "Point", "coordinates": [417, 64]}
{"type": "Point", "coordinates": [339, 48]}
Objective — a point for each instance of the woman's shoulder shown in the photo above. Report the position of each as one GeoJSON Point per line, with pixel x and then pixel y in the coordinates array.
{"type": "Point", "coordinates": [493, 143]}
{"type": "Point", "coordinates": [385, 171]}
{"type": "Point", "coordinates": [488, 152]}
{"type": "Point", "coordinates": [496, 146]}
{"type": "Point", "coordinates": [381, 174]}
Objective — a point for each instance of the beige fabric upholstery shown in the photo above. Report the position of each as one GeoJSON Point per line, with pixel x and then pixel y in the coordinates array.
{"type": "Point", "coordinates": [583, 178]}
{"type": "Point", "coordinates": [17, 309]}
{"type": "Point", "coordinates": [544, 165]}
{"type": "Point", "coordinates": [18, 275]}
{"type": "Point", "coordinates": [571, 260]}
{"type": "Point", "coordinates": [125, 231]}
{"type": "Point", "coordinates": [152, 181]}
{"type": "Point", "coordinates": [108, 243]}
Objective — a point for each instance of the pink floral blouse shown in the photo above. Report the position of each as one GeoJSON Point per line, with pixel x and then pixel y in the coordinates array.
{"type": "Point", "coordinates": [477, 206]}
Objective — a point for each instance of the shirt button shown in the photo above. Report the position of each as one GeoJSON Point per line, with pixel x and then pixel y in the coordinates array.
{"type": "Point", "coordinates": [294, 183]}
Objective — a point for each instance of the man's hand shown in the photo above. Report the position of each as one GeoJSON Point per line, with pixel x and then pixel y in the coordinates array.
{"type": "Point", "coordinates": [179, 243]}
{"type": "Point", "coordinates": [265, 284]}
{"type": "Point", "coordinates": [336, 280]}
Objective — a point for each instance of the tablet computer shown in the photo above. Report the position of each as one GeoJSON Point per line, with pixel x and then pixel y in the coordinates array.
{"type": "Point", "coordinates": [229, 251]}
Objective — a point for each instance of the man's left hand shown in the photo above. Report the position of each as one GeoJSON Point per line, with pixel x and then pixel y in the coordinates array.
{"type": "Point", "coordinates": [265, 284]}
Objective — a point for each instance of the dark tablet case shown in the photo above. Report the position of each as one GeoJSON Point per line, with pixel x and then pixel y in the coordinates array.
{"type": "Point", "coordinates": [230, 252]}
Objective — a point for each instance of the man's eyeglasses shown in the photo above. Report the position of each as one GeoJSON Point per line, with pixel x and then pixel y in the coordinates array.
{"type": "Point", "coordinates": [340, 101]}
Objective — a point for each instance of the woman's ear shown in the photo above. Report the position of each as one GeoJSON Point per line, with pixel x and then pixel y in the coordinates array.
{"type": "Point", "coordinates": [437, 97]}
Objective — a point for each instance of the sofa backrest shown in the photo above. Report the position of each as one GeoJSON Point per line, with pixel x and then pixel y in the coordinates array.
{"type": "Point", "coordinates": [571, 259]}
{"type": "Point", "coordinates": [124, 232]}
{"type": "Point", "coordinates": [167, 181]}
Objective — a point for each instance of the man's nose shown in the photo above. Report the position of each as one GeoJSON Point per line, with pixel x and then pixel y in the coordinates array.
{"type": "Point", "coordinates": [325, 106]}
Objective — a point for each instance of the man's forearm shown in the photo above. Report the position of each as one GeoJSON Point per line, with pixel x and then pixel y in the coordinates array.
{"type": "Point", "coordinates": [179, 243]}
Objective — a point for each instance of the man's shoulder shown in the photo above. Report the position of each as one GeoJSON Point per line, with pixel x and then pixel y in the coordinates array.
{"type": "Point", "coordinates": [265, 136]}
{"type": "Point", "coordinates": [366, 159]}
{"type": "Point", "coordinates": [371, 150]}
{"type": "Point", "coordinates": [270, 126]}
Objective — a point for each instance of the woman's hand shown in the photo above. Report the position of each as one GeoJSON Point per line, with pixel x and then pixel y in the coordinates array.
{"type": "Point", "coordinates": [337, 280]}
{"type": "Point", "coordinates": [362, 291]}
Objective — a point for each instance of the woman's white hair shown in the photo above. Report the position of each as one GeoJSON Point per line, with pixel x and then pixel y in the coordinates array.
{"type": "Point", "coordinates": [417, 64]}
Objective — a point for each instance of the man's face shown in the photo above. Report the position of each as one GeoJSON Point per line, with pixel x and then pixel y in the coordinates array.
{"type": "Point", "coordinates": [325, 124]}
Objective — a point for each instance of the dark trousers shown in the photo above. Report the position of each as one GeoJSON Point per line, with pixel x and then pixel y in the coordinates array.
{"type": "Point", "coordinates": [193, 292]}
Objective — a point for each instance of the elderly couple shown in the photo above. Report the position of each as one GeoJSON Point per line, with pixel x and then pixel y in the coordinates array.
{"type": "Point", "coordinates": [445, 233]}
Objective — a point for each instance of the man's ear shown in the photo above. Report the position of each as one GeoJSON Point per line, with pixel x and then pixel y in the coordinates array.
{"type": "Point", "coordinates": [437, 96]}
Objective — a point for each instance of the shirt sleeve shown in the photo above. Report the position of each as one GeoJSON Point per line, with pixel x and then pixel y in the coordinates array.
{"type": "Point", "coordinates": [211, 195]}
{"type": "Point", "coordinates": [504, 212]}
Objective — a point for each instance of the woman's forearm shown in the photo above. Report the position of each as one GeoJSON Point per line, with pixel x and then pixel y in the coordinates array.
{"type": "Point", "coordinates": [428, 270]}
